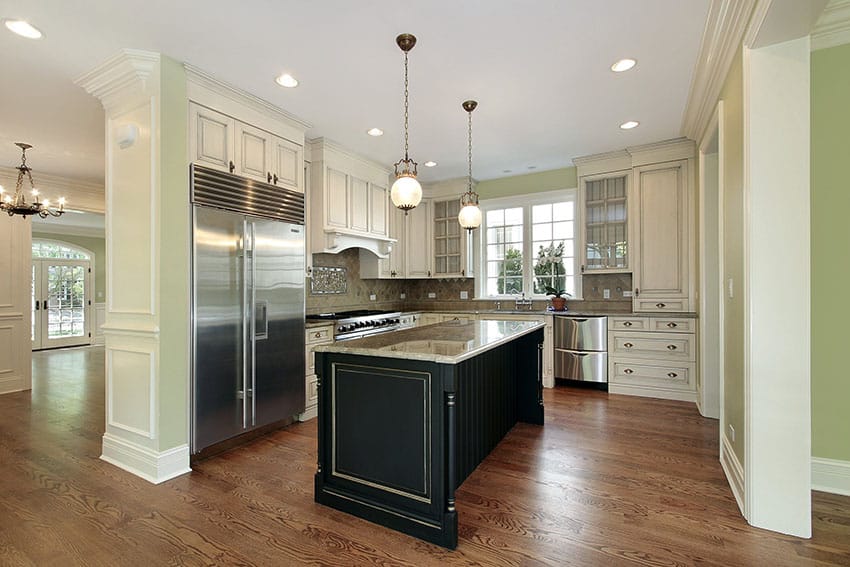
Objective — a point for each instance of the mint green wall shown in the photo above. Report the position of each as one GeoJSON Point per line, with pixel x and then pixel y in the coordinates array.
{"type": "Point", "coordinates": [564, 178]}
{"type": "Point", "coordinates": [95, 245]}
{"type": "Point", "coordinates": [174, 256]}
{"type": "Point", "coordinates": [830, 261]}
{"type": "Point", "coordinates": [732, 96]}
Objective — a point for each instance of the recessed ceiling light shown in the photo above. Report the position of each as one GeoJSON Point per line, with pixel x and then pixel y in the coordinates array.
{"type": "Point", "coordinates": [375, 132]}
{"type": "Point", "coordinates": [23, 29]}
{"type": "Point", "coordinates": [287, 80]}
{"type": "Point", "coordinates": [430, 163]}
{"type": "Point", "coordinates": [629, 125]}
{"type": "Point", "coordinates": [623, 65]}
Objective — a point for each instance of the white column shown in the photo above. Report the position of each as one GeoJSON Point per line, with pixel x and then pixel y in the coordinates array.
{"type": "Point", "coordinates": [777, 287]}
{"type": "Point", "coordinates": [15, 281]}
{"type": "Point", "coordinates": [147, 240]}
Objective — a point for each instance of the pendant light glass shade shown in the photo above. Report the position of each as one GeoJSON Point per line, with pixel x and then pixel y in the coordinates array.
{"type": "Point", "coordinates": [469, 216]}
{"type": "Point", "coordinates": [406, 192]}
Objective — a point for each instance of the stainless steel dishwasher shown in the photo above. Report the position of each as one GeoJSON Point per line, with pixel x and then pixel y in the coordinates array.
{"type": "Point", "coordinates": [581, 347]}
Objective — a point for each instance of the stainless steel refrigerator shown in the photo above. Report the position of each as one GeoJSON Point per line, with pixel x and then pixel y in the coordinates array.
{"type": "Point", "coordinates": [248, 306]}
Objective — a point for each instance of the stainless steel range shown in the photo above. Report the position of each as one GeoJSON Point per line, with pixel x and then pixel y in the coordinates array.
{"type": "Point", "coordinates": [361, 323]}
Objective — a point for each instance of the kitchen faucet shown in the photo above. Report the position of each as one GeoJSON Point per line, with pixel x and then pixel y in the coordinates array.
{"type": "Point", "coordinates": [520, 301]}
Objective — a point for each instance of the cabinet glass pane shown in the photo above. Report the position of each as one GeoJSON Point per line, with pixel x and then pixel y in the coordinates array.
{"type": "Point", "coordinates": [453, 245]}
{"type": "Point", "coordinates": [453, 265]}
{"type": "Point", "coordinates": [440, 209]}
{"type": "Point", "coordinates": [440, 265]}
{"type": "Point", "coordinates": [606, 211]}
{"type": "Point", "coordinates": [440, 246]}
{"type": "Point", "coordinates": [452, 208]}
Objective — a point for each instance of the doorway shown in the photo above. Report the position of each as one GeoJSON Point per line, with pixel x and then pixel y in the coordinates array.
{"type": "Point", "coordinates": [61, 295]}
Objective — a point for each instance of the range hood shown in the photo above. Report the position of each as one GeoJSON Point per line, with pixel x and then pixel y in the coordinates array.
{"type": "Point", "coordinates": [335, 241]}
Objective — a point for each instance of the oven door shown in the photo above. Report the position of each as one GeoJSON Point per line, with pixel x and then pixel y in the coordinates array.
{"type": "Point", "coordinates": [581, 365]}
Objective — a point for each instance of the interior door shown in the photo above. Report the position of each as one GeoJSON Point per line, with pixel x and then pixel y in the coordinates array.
{"type": "Point", "coordinates": [61, 299]}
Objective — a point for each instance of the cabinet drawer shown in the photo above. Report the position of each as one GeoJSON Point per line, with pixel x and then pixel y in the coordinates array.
{"type": "Point", "coordinates": [311, 392]}
{"type": "Point", "coordinates": [672, 325]}
{"type": "Point", "coordinates": [660, 305]}
{"type": "Point", "coordinates": [660, 346]}
{"type": "Point", "coordinates": [628, 323]}
{"type": "Point", "coordinates": [318, 335]}
{"type": "Point", "coordinates": [680, 377]}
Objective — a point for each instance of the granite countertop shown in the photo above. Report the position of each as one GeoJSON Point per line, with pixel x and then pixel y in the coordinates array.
{"type": "Point", "coordinates": [447, 343]}
{"type": "Point", "coordinates": [687, 315]}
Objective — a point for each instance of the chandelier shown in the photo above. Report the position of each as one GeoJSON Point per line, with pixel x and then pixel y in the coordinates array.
{"type": "Point", "coordinates": [406, 192]}
{"type": "Point", "coordinates": [470, 213]}
{"type": "Point", "coordinates": [17, 204]}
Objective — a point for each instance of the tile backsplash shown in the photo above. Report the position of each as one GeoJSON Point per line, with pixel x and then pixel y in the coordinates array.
{"type": "Point", "coordinates": [446, 292]}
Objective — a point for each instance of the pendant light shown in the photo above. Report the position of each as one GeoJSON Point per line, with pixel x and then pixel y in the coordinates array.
{"type": "Point", "coordinates": [470, 213]}
{"type": "Point", "coordinates": [406, 192]}
{"type": "Point", "coordinates": [17, 204]}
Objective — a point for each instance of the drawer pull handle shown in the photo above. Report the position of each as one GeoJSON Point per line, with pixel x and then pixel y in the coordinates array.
{"type": "Point", "coordinates": [661, 305]}
{"type": "Point", "coordinates": [671, 347]}
{"type": "Point", "coordinates": [672, 325]}
{"type": "Point", "coordinates": [628, 371]}
{"type": "Point", "coordinates": [627, 324]}
{"type": "Point", "coordinates": [628, 345]}
{"type": "Point", "coordinates": [672, 374]}
{"type": "Point", "coordinates": [318, 335]}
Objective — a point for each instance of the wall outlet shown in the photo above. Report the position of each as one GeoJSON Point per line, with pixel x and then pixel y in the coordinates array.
{"type": "Point", "coordinates": [628, 293]}
{"type": "Point", "coordinates": [402, 296]}
{"type": "Point", "coordinates": [372, 297]}
{"type": "Point", "coordinates": [606, 294]}
{"type": "Point", "coordinates": [464, 295]}
{"type": "Point", "coordinates": [731, 433]}
{"type": "Point", "coordinates": [432, 295]}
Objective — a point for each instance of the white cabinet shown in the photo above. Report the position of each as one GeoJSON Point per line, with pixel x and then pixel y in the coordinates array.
{"type": "Point", "coordinates": [662, 275]}
{"type": "Point", "coordinates": [653, 357]}
{"type": "Point", "coordinates": [604, 202]}
{"type": "Point", "coordinates": [313, 337]}
{"type": "Point", "coordinates": [349, 201]}
{"type": "Point", "coordinates": [391, 267]}
{"type": "Point", "coordinates": [417, 241]}
{"type": "Point", "coordinates": [222, 142]}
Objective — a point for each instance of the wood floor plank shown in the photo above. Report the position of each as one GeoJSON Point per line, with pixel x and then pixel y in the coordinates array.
{"type": "Point", "coordinates": [609, 480]}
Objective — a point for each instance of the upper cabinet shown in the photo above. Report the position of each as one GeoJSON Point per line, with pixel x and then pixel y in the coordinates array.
{"type": "Point", "coordinates": [221, 142]}
{"type": "Point", "coordinates": [349, 201]}
{"type": "Point", "coordinates": [662, 274]}
{"type": "Point", "coordinates": [449, 239]}
{"type": "Point", "coordinates": [639, 217]}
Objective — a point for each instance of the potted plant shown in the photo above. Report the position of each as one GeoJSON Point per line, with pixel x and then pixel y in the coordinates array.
{"type": "Point", "coordinates": [549, 259]}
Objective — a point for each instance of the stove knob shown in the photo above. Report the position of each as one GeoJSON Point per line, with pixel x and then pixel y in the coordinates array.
{"type": "Point", "coordinates": [340, 329]}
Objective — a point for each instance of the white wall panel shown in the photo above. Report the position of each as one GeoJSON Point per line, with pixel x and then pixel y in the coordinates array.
{"type": "Point", "coordinates": [131, 375]}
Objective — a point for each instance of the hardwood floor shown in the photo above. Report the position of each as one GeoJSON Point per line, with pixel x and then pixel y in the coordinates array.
{"type": "Point", "coordinates": [609, 480]}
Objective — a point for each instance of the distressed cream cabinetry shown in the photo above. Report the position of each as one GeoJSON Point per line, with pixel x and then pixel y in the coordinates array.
{"type": "Point", "coordinates": [313, 337]}
{"type": "Point", "coordinates": [653, 356]}
{"type": "Point", "coordinates": [349, 201]}
{"type": "Point", "coordinates": [409, 256]}
{"type": "Point", "coordinates": [219, 141]}
{"type": "Point", "coordinates": [604, 202]}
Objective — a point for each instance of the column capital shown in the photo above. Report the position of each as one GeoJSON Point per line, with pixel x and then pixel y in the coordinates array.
{"type": "Point", "coordinates": [127, 76]}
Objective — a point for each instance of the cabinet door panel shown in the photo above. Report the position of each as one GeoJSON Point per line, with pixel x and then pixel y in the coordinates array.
{"type": "Point", "coordinates": [660, 231]}
{"type": "Point", "coordinates": [418, 245]}
{"type": "Point", "coordinates": [211, 135]}
{"type": "Point", "coordinates": [288, 164]}
{"type": "Point", "coordinates": [359, 204]}
{"type": "Point", "coordinates": [337, 202]}
{"type": "Point", "coordinates": [252, 152]}
{"type": "Point", "coordinates": [378, 204]}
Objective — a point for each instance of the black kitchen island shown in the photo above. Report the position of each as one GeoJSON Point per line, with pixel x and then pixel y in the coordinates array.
{"type": "Point", "coordinates": [405, 417]}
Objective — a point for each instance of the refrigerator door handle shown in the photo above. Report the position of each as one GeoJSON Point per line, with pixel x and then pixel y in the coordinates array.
{"type": "Point", "coordinates": [246, 324]}
{"type": "Point", "coordinates": [253, 327]}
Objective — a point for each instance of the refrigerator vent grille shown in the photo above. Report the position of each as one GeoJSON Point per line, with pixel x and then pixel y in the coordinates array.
{"type": "Point", "coordinates": [230, 192]}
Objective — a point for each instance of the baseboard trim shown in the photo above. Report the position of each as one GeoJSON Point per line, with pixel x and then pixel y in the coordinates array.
{"type": "Point", "coordinates": [734, 472]}
{"type": "Point", "coordinates": [831, 475]}
{"type": "Point", "coordinates": [309, 414]}
{"type": "Point", "coordinates": [650, 392]}
{"type": "Point", "coordinates": [153, 466]}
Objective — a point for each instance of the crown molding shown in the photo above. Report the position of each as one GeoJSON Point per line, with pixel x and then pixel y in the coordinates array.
{"type": "Point", "coordinates": [724, 31]}
{"type": "Point", "coordinates": [666, 150]}
{"type": "Point", "coordinates": [199, 77]}
{"type": "Point", "coordinates": [124, 76]}
{"type": "Point", "coordinates": [833, 26]}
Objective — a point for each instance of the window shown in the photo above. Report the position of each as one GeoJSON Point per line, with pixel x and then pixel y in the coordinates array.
{"type": "Point", "coordinates": [528, 245]}
{"type": "Point", "coordinates": [49, 249]}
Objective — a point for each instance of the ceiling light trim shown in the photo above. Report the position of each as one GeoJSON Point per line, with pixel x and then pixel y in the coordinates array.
{"type": "Point", "coordinates": [22, 33]}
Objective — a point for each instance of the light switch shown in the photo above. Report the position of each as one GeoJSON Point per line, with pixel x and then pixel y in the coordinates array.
{"type": "Point", "coordinates": [730, 284]}
{"type": "Point", "coordinates": [372, 297]}
{"type": "Point", "coordinates": [464, 295]}
{"type": "Point", "coordinates": [403, 296]}
{"type": "Point", "coordinates": [432, 295]}
{"type": "Point", "coordinates": [606, 294]}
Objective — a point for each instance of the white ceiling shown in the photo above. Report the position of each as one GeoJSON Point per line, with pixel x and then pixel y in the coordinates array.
{"type": "Point", "coordinates": [539, 70]}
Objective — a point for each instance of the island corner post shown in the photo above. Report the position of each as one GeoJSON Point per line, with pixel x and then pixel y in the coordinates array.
{"type": "Point", "coordinates": [397, 436]}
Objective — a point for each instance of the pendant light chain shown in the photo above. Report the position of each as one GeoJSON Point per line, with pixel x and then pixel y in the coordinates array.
{"type": "Point", "coordinates": [406, 107]}
{"type": "Point", "coordinates": [470, 153]}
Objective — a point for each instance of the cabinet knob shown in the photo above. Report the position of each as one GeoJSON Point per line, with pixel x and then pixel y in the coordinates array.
{"type": "Point", "coordinates": [671, 347]}
{"type": "Point", "coordinates": [672, 374]}
{"type": "Point", "coordinates": [672, 325]}
{"type": "Point", "coordinates": [268, 177]}
{"type": "Point", "coordinates": [232, 167]}
{"type": "Point", "coordinates": [274, 178]}
{"type": "Point", "coordinates": [628, 345]}
{"type": "Point", "coordinates": [628, 371]}
{"type": "Point", "coordinates": [318, 335]}
{"type": "Point", "coordinates": [429, 273]}
{"type": "Point", "coordinates": [661, 305]}
{"type": "Point", "coordinates": [627, 324]}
